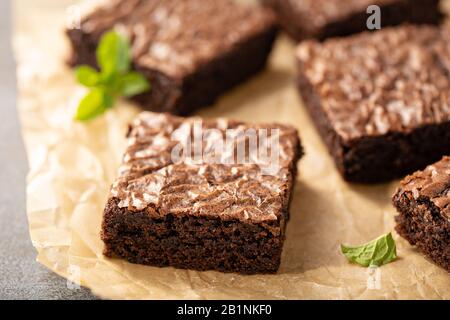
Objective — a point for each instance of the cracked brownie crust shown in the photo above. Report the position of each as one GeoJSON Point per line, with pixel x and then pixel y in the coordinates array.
{"type": "Point", "coordinates": [196, 214]}
{"type": "Point", "coordinates": [380, 100]}
{"type": "Point", "coordinates": [189, 58]}
{"type": "Point", "coordinates": [423, 201]}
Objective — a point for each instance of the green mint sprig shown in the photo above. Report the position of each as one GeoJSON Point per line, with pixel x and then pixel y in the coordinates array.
{"type": "Point", "coordinates": [374, 253]}
{"type": "Point", "coordinates": [114, 79]}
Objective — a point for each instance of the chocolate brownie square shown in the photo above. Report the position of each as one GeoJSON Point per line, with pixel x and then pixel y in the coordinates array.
{"type": "Point", "coordinates": [191, 51]}
{"type": "Point", "coordinates": [380, 100]}
{"type": "Point", "coordinates": [321, 19]}
{"type": "Point", "coordinates": [423, 201]}
{"type": "Point", "coordinates": [206, 205]}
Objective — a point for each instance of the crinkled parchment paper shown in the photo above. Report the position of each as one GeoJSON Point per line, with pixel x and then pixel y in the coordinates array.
{"type": "Point", "coordinates": [73, 164]}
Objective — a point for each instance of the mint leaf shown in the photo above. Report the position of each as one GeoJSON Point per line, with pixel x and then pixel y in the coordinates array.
{"type": "Point", "coordinates": [374, 253]}
{"type": "Point", "coordinates": [93, 104]}
{"type": "Point", "coordinates": [113, 80]}
{"type": "Point", "coordinates": [113, 53]}
{"type": "Point", "coordinates": [87, 76]}
{"type": "Point", "coordinates": [134, 83]}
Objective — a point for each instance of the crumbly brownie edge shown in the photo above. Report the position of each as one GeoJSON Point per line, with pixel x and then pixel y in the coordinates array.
{"type": "Point", "coordinates": [421, 12]}
{"type": "Point", "coordinates": [391, 156]}
{"type": "Point", "coordinates": [431, 235]}
{"type": "Point", "coordinates": [313, 104]}
{"type": "Point", "coordinates": [380, 158]}
{"type": "Point", "coordinates": [199, 89]}
{"type": "Point", "coordinates": [189, 242]}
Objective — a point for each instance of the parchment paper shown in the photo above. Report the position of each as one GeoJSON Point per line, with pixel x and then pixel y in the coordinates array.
{"type": "Point", "coordinates": [72, 166]}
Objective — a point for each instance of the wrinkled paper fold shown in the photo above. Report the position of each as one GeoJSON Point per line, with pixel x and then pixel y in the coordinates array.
{"type": "Point", "coordinates": [73, 164]}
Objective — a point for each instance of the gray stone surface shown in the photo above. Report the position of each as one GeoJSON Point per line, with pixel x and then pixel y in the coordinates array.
{"type": "Point", "coordinates": [21, 277]}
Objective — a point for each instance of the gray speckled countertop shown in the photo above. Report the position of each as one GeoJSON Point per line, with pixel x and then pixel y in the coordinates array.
{"type": "Point", "coordinates": [21, 277]}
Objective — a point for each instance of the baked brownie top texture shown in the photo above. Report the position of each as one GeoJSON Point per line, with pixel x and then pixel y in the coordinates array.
{"type": "Point", "coordinates": [316, 14]}
{"type": "Point", "coordinates": [176, 37]}
{"type": "Point", "coordinates": [156, 176]}
{"type": "Point", "coordinates": [432, 184]}
{"type": "Point", "coordinates": [371, 84]}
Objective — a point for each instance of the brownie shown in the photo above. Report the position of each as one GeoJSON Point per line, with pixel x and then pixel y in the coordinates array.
{"type": "Point", "coordinates": [321, 19]}
{"type": "Point", "coordinates": [423, 203]}
{"type": "Point", "coordinates": [380, 100]}
{"type": "Point", "coordinates": [201, 208]}
{"type": "Point", "coordinates": [191, 51]}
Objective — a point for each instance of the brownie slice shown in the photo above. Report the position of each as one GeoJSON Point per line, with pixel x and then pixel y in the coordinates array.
{"type": "Point", "coordinates": [321, 19]}
{"type": "Point", "coordinates": [202, 207]}
{"type": "Point", "coordinates": [191, 51]}
{"type": "Point", "coordinates": [380, 100]}
{"type": "Point", "coordinates": [423, 201]}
